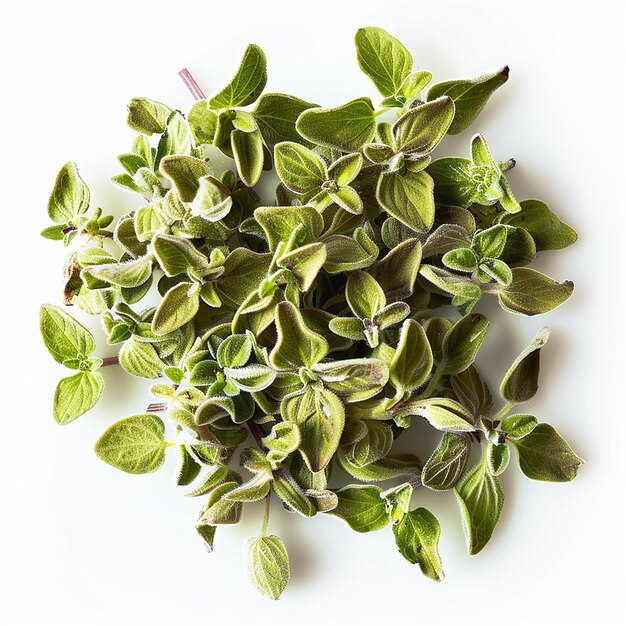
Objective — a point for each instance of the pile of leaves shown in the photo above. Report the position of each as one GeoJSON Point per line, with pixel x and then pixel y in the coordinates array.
{"type": "Point", "coordinates": [294, 339]}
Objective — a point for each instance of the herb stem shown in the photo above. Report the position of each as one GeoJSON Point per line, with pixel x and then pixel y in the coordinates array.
{"type": "Point", "coordinates": [156, 407]}
{"type": "Point", "coordinates": [191, 84]}
{"type": "Point", "coordinates": [266, 515]}
{"type": "Point", "coordinates": [110, 360]}
{"type": "Point", "coordinates": [503, 411]}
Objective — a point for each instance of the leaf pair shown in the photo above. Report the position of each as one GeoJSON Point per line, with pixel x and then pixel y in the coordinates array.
{"type": "Point", "coordinates": [72, 345]}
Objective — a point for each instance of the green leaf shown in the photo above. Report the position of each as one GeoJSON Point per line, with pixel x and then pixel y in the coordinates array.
{"type": "Point", "coordinates": [447, 463]}
{"type": "Point", "coordinates": [188, 467]}
{"type": "Point", "coordinates": [305, 263]}
{"type": "Point", "coordinates": [420, 129]}
{"type": "Point", "coordinates": [417, 537]}
{"type": "Point", "coordinates": [207, 532]}
{"type": "Point", "coordinates": [518, 426]}
{"type": "Point", "coordinates": [176, 255]}
{"type": "Point", "coordinates": [185, 171]}
{"type": "Point", "coordinates": [297, 346]}
{"type": "Point", "coordinates": [292, 494]}
{"type": "Point", "coordinates": [300, 169]}
{"type": "Point", "coordinates": [348, 327]}
{"type": "Point", "coordinates": [460, 259]}
{"type": "Point", "coordinates": [125, 274]}
{"type": "Point", "coordinates": [374, 446]}
{"type": "Point", "coordinates": [495, 269]}
{"type": "Point", "coordinates": [344, 253]}
{"type": "Point", "coordinates": [64, 337]}
{"type": "Point", "coordinates": [481, 498]}
{"type": "Point", "coordinates": [397, 271]}
{"type": "Point", "coordinates": [544, 455]}
{"type": "Point", "coordinates": [348, 199]}
{"type": "Point", "coordinates": [462, 342]}
{"type": "Point", "coordinates": [353, 379]}
{"type": "Point", "coordinates": [248, 82]}
{"type": "Point", "coordinates": [382, 58]}
{"type": "Point", "coordinates": [135, 445]}
{"type": "Point", "coordinates": [276, 115]}
{"type": "Point", "coordinates": [520, 383]}
{"type": "Point", "coordinates": [361, 507]}
{"type": "Point", "coordinates": [345, 169]}
{"type": "Point", "coordinates": [490, 242]}
{"type": "Point", "coordinates": [279, 222]}
{"type": "Point", "coordinates": [75, 395]}
{"type": "Point", "coordinates": [442, 414]}
{"type": "Point", "coordinates": [248, 153]}
{"type": "Point", "coordinates": [392, 466]}
{"type": "Point", "coordinates": [213, 201]}
{"type": "Point", "coordinates": [177, 138]}
{"type": "Point", "coordinates": [498, 456]}
{"type": "Point", "coordinates": [234, 351]}
{"type": "Point", "coordinates": [319, 415]}
{"type": "Point", "coordinates": [413, 359]}
{"type": "Point", "coordinates": [408, 197]}
{"type": "Point", "coordinates": [547, 230]}
{"type": "Point", "coordinates": [347, 127]}
{"type": "Point", "coordinates": [178, 307]}
{"type": "Point", "coordinates": [469, 96]}
{"type": "Point", "coordinates": [218, 509]}
{"type": "Point", "coordinates": [283, 439]}
{"type": "Point", "coordinates": [69, 197]}
{"type": "Point", "coordinates": [252, 490]}
{"type": "Point", "coordinates": [455, 181]}
{"type": "Point", "coordinates": [364, 295]}
{"type": "Point", "coordinates": [140, 359]}
{"type": "Point", "coordinates": [202, 122]}
{"type": "Point", "coordinates": [147, 116]}
{"type": "Point", "coordinates": [471, 391]}
{"type": "Point", "coordinates": [54, 233]}
{"type": "Point", "coordinates": [268, 565]}
{"type": "Point", "coordinates": [243, 272]}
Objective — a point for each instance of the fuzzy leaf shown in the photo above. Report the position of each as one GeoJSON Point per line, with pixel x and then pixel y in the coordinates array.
{"type": "Point", "coordinates": [417, 537]}
{"type": "Point", "coordinates": [135, 445]}
{"type": "Point", "coordinates": [299, 168]}
{"type": "Point", "coordinates": [462, 342]}
{"type": "Point", "coordinates": [147, 116]}
{"type": "Point", "coordinates": [64, 337]}
{"type": "Point", "coordinates": [276, 115]}
{"type": "Point", "coordinates": [420, 129]}
{"type": "Point", "coordinates": [248, 154]}
{"type": "Point", "coordinates": [481, 498]}
{"type": "Point", "coordinates": [413, 359]}
{"type": "Point", "coordinates": [384, 60]}
{"type": "Point", "coordinates": [544, 455]}
{"type": "Point", "coordinates": [319, 414]}
{"type": "Point", "coordinates": [75, 395]}
{"type": "Point", "coordinates": [69, 197]}
{"type": "Point", "coordinates": [268, 565]}
{"type": "Point", "coordinates": [296, 346]}
{"type": "Point", "coordinates": [531, 292]}
{"type": "Point", "coordinates": [347, 127]}
{"type": "Point", "coordinates": [469, 96]}
{"type": "Point", "coordinates": [176, 309]}
{"type": "Point", "coordinates": [447, 463]}
{"type": "Point", "coordinates": [248, 82]}
{"type": "Point", "coordinates": [361, 507]}
{"type": "Point", "coordinates": [353, 379]}
{"type": "Point", "coordinates": [408, 197]}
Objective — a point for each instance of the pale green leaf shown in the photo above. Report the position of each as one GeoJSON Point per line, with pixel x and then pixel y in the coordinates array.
{"type": "Point", "coordinates": [135, 445]}
{"type": "Point", "coordinates": [75, 395]}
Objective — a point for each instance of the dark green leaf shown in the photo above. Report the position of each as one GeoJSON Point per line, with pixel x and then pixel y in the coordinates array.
{"type": "Point", "coordinates": [469, 96]}
{"type": "Point", "coordinates": [361, 507]}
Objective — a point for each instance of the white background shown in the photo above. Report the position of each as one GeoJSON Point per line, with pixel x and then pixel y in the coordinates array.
{"type": "Point", "coordinates": [85, 544]}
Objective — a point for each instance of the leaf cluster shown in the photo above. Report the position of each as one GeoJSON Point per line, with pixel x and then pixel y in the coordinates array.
{"type": "Point", "coordinates": [305, 333]}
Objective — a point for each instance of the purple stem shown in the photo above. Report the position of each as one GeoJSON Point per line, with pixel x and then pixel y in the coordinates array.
{"type": "Point", "coordinates": [192, 85]}
{"type": "Point", "coordinates": [156, 407]}
{"type": "Point", "coordinates": [110, 360]}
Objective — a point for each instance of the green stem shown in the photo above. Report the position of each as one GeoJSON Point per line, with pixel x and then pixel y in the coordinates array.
{"type": "Point", "coordinates": [503, 411]}
{"type": "Point", "coordinates": [266, 516]}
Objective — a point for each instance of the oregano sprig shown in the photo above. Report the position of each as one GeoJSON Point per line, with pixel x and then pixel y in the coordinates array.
{"type": "Point", "coordinates": [288, 336]}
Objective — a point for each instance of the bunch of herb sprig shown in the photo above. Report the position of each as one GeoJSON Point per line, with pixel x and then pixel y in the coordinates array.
{"type": "Point", "coordinates": [304, 333]}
